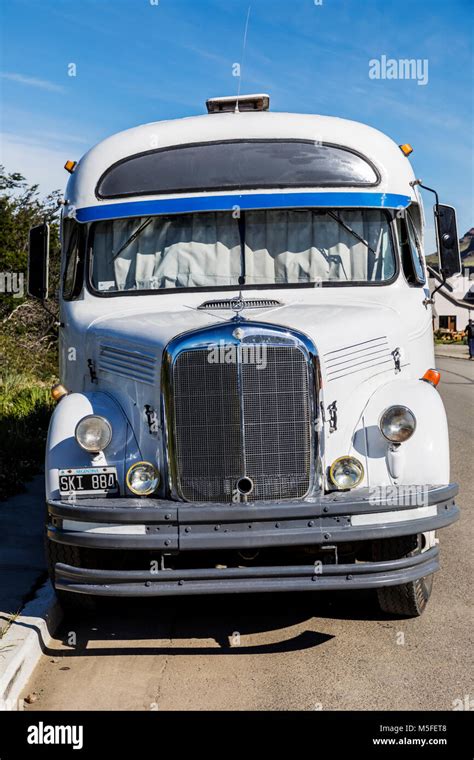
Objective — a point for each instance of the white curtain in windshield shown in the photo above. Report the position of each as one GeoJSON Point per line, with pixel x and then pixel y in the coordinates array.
{"type": "Point", "coordinates": [196, 250]}
{"type": "Point", "coordinates": [204, 250]}
{"type": "Point", "coordinates": [303, 246]}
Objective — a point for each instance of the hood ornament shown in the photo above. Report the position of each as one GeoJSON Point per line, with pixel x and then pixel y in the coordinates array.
{"type": "Point", "coordinates": [237, 304]}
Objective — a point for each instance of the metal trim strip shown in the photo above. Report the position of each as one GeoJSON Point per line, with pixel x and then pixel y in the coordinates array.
{"type": "Point", "coordinates": [245, 202]}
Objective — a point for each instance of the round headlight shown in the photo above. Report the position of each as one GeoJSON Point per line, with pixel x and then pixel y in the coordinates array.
{"type": "Point", "coordinates": [93, 433]}
{"type": "Point", "coordinates": [143, 478]}
{"type": "Point", "coordinates": [397, 424]}
{"type": "Point", "coordinates": [346, 472]}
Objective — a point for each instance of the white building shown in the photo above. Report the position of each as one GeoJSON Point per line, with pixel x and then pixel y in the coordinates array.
{"type": "Point", "coordinates": [447, 313]}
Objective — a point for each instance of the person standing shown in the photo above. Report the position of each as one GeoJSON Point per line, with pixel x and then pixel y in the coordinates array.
{"type": "Point", "coordinates": [470, 337]}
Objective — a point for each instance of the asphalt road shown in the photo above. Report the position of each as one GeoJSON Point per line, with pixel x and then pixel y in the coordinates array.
{"type": "Point", "coordinates": [289, 651]}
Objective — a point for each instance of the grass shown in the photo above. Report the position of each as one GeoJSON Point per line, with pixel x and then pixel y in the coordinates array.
{"type": "Point", "coordinates": [25, 409]}
{"type": "Point", "coordinates": [3, 631]}
{"type": "Point", "coordinates": [12, 617]}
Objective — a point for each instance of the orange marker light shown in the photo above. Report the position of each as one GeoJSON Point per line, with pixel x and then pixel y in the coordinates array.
{"type": "Point", "coordinates": [432, 376]}
{"type": "Point", "coordinates": [406, 149]}
{"type": "Point", "coordinates": [70, 166]}
{"type": "Point", "coordinates": [58, 391]}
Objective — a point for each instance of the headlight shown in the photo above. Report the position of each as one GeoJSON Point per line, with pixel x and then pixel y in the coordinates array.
{"type": "Point", "coordinates": [397, 424]}
{"type": "Point", "coordinates": [143, 478]}
{"type": "Point", "coordinates": [93, 433]}
{"type": "Point", "coordinates": [346, 472]}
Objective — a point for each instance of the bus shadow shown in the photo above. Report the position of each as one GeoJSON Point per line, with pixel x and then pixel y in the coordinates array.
{"type": "Point", "coordinates": [210, 625]}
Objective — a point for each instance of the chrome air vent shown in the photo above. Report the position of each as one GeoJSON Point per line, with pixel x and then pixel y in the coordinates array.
{"type": "Point", "coordinates": [133, 364]}
{"type": "Point", "coordinates": [229, 304]}
{"type": "Point", "coordinates": [369, 356]}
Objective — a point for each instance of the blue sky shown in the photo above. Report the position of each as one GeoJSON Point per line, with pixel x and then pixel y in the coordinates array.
{"type": "Point", "coordinates": [145, 60]}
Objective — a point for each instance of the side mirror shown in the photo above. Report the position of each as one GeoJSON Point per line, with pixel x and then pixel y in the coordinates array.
{"type": "Point", "coordinates": [38, 262]}
{"type": "Point", "coordinates": [447, 240]}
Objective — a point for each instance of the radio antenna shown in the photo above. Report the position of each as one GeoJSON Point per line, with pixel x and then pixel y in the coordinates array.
{"type": "Point", "coordinates": [244, 46]}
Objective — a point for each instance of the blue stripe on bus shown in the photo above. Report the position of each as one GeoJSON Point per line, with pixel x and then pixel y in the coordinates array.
{"type": "Point", "coordinates": [244, 202]}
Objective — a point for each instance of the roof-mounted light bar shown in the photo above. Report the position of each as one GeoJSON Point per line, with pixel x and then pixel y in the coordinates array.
{"type": "Point", "coordinates": [233, 103]}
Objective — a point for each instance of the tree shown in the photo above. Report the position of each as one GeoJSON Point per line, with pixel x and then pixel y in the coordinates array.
{"type": "Point", "coordinates": [29, 337]}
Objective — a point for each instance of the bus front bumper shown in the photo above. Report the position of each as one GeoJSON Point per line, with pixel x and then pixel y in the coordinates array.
{"type": "Point", "coordinates": [174, 528]}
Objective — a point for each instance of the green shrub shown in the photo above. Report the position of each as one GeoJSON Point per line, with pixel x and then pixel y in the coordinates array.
{"type": "Point", "coordinates": [25, 409]}
{"type": "Point", "coordinates": [28, 339]}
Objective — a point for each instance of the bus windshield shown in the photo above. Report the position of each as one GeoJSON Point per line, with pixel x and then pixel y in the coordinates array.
{"type": "Point", "coordinates": [265, 247]}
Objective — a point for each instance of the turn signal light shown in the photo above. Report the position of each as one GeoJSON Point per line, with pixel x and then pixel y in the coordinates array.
{"type": "Point", "coordinates": [406, 149]}
{"type": "Point", "coordinates": [70, 166]}
{"type": "Point", "coordinates": [58, 391]}
{"type": "Point", "coordinates": [432, 376]}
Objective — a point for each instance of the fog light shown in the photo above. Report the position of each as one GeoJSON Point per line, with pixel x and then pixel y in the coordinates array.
{"type": "Point", "coordinates": [93, 433]}
{"type": "Point", "coordinates": [346, 472]}
{"type": "Point", "coordinates": [397, 424]}
{"type": "Point", "coordinates": [143, 478]}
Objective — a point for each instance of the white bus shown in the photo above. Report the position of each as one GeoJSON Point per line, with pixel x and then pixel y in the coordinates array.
{"type": "Point", "coordinates": [248, 395]}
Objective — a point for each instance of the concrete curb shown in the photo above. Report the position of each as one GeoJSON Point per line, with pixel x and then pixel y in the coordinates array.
{"type": "Point", "coordinates": [451, 356]}
{"type": "Point", "coordinates": [23, 644]}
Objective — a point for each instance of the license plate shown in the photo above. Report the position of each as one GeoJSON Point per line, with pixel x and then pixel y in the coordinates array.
{"type": "Point", "coordinates": [88, 481]}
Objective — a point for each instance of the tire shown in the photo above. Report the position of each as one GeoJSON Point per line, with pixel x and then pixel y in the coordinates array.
{"type": "Point", "coordinates": [409, 599]}
{"type": "Point", "coordinates": [68, 555]}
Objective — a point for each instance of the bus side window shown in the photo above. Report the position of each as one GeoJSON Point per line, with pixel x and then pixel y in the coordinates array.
{"type": "Point", "coordinates": [417, 256]}
{"type": "Point", "coordinates": [74, 263]}
{"type": "Point", "coordinates": [410, 252]}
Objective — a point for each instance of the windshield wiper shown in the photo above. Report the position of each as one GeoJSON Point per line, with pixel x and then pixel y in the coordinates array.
{"type": "Point", "coordinates": [243, 265]}
{"type": "Point", "coordinates": [352, 232]}
{"type": "Point", "coordinates": [132, 237]}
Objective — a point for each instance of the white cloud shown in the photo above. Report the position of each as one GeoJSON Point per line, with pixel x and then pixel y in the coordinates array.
{"type": "Point", "coordinates": [40, 164]}
{"type": "Point", "coordinates": [42, 84]}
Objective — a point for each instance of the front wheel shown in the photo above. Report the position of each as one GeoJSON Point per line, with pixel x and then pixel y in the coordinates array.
{"type": "Point", "coordinates": [409, 599]}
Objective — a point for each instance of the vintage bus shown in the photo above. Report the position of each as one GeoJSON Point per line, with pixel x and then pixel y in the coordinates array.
{"type": "Point", "coordinates": [248, 396]}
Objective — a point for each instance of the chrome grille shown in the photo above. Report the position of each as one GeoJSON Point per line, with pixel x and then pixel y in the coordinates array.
{"type": "Point", "coordinates": [207, 426]}
{"type": "Point", "coordinates": [241, 419]}
{"type": "Point", "coordinates": [276, 411]}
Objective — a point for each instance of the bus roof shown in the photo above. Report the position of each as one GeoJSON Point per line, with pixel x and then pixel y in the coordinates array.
{"type": "Point", "coordinates": [392, 189]}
